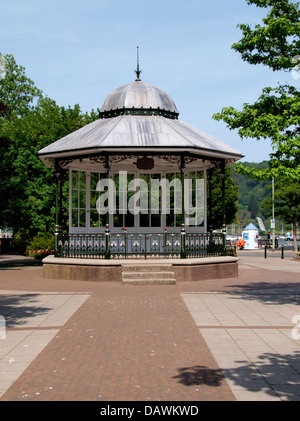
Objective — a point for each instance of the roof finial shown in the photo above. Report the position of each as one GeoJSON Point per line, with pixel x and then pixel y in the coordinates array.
{"type": "Point", "coordinates": [138, 71]}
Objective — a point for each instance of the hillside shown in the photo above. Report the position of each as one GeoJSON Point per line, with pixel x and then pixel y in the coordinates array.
{"type": "Point", "coordinates": [251, 195]}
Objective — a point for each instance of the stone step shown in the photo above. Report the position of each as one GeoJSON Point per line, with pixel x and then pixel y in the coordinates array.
{"type": "Point", "coordinates": [147, 268]}
{"type": "Point", "coordinates": [148, 275]}
{"type": "Point", "coordinates": [144, 281]}
{"type": "Point", "coordinates": [141, 274]}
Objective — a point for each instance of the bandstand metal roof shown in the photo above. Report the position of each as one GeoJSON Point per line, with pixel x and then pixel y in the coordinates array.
{"type": "Point", "coordinates": [138, 94]}
{"type": "Point", "coordinates": [138, 117]}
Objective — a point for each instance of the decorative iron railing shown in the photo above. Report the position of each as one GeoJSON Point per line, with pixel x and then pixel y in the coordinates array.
{"type": "Point", "coordinates": [133, 245]}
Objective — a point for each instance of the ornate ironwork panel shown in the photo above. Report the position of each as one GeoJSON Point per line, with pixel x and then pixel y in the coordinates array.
{"type": "Point", "coordinates": [81, 246]}
{"type": "Point", "coordinates": [131, 245]}
{"type": "Point", "coordinates": [204, 245]}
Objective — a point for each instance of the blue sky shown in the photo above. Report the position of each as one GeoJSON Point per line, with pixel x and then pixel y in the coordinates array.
{"type": "Point", "coordinates": [77, 52]}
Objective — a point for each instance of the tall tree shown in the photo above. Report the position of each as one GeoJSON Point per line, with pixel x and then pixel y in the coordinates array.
{"type": "Point", "coordinates": [17, 95]}
{"type": "Point", "coordinates": [275, 115]}
{"type": "Point", "coordinates": [29, 123]}
{"type": "Point", "coordinates": [214, 199]}
{"type": "Point", "coordinates": [30, 186]}
{"type": "Point", "coordinates": [17, 91]}
{"type": "Point", "coordinates": [276, 42]}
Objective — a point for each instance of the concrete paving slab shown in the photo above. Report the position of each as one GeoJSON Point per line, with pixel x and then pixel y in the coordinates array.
{"type": "Point", "coordinates": [257, 354]}
{"type": "Point", "coordinates": [26, 312]}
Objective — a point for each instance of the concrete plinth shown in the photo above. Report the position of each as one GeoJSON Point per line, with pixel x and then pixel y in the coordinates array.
{"type": "Point", "coordinates": [100, 270]}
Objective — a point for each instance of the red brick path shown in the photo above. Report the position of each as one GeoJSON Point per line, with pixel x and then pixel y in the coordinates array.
{"type": "Point", "coordinates": [130, 343]}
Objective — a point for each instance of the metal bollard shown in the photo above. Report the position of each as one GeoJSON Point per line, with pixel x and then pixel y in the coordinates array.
{"type": "Point", "coordinates": [282, 252]}
{"type": "Point", "coordinates": [265, 252]}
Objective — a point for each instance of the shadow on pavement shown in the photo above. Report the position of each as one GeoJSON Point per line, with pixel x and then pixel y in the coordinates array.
{"type": "Point", "coordinates": [15, 261]}
{"type": "Point", "coordinates": [199, 375]}
{"type": "Point", "coordinates": [268, 292]}
{"type": "Point", "coordinates": [271, 373]}
{"type": "Point", "coordinates": [17, 308]}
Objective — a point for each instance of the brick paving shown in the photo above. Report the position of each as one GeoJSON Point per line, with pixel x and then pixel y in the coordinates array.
{"type": "Point", "coordinates": [128, 343]}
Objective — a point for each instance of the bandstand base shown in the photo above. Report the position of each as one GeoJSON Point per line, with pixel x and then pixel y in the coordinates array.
{"type": "Point", "coordinates": [100, 270]}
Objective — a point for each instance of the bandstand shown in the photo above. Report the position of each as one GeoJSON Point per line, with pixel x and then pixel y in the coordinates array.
{"type": "Point", "coordinates": [137, 191]}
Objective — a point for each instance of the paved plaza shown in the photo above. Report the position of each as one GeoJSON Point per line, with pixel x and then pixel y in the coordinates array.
{"type": "Point", "coordinates": [233, 339]}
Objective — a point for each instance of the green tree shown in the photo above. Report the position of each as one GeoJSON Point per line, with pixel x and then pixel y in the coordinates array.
{"type": "Point", "coordinates": [231, 199]}
{"type": "Point", "coordinates": [276, 41]}
{"type": "Point", "coordinates": [17, 95]}
{"type": "Point", "coordinates": [30, 198]}
{"type": "Point", "coordinates": [251, 187]}
{"type": "Point", "coordinates": [275, 115]}
{"type": "Point", "coordinates": [253, 207]}
{"type": "Point", "coordinates": [28, 123]}
{"type": "Point", "coordinates": [17, 92]}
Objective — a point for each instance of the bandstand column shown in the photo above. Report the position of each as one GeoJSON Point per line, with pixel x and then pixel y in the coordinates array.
{"type": "Point", "coordinates": [58, 203]}
{"type": "Point", "coordinates": [223, 206]}
{"type": "Point", "coordinates": [223, 194]}
{"type": "Point", "coordinates": [106, 169]}
{"type": "Point", "coordinates": [210, 174]}
{"type": "Point", "coordinates": [183, 231]}
{"type": "Point", "coordinates": [182, 171]}
{"type": "Point", "coordinates": [58, 198]}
